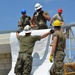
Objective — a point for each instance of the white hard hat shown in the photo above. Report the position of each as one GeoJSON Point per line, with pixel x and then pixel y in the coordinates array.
{"type": "Point", "coordinates": [27, 29]}
{"type": "Point", "coordinates": [38, 6]}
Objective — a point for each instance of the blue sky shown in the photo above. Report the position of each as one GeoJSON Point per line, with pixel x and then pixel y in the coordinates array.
{"type": "Point", "coordinates": [10, 10]}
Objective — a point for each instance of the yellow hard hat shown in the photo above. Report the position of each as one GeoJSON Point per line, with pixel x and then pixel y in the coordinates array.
{"type": "Point", "coordinates": [57, 23]}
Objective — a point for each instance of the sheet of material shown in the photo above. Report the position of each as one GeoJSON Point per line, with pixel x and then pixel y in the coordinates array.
{"type": "Point", "coordinates": [41, 52]}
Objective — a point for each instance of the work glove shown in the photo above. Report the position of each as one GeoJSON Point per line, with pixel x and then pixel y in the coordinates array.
{"type": "Point", "coordinates": [41, 12]}
{"type": "Point", "coordinates": [52, 31]}
{"type": "Point", "coordinates": [51, 58]}
{"type": "Point", "coordinates": [50, 24]}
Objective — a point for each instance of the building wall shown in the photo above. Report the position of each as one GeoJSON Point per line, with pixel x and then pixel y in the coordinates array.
{"type": "Point", "coordinates": [5, 63]}
{"type": "Point", "coordinates": [5, 54]}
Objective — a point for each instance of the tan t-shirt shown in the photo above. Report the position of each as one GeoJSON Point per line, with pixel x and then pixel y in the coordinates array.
{"type": "Point", "coordinates": [61, 40]}
{"type": "Point", "coordinates": [57, 17]}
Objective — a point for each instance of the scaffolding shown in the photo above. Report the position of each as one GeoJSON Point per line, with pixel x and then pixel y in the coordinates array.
{"type": "Point", "coordinates": [69, 66]}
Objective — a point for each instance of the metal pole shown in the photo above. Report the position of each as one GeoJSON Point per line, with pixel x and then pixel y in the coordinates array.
{"type": "Point", "coordinates": [70, 44]}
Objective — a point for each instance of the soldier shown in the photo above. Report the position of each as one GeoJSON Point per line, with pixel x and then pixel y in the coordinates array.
{"type": "Point", "coordinates": [24, 20]}
{"type": "Point", "coordinates": [24, 61]}
{"type": "Point", "coordinates": [40, 17]}
{"type": "Point", "coordinates": [58, 17]}
{"type": "Point", "coordinates": [57, 51]}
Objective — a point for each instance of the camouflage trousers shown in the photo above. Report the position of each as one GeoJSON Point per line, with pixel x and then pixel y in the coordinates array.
{"type": "Point", "coordinates": [58, 65]}
{"type": "Point", "coordinates": [23, 65]}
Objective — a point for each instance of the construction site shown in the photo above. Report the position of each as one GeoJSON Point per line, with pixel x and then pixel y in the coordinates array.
{"type": "Point", "coordinates": [9, 47]}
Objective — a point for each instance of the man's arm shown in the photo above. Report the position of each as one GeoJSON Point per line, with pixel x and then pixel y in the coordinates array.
{"type": "Point", "coordinates": [53, 18]}
{"type": "Point", "coordinates": [62, 23]}
{"type": "Point", "coordinates": [17, 34]}
{"type": "Point", "coordinates": [45, 35]}
{"type": "Point", "coordinates": [33, 21]}
{"type": "Point", "coordinates": [54, 44]}
{"type": "Point", "coordinates": [51, 21]}
{"type": "Point", "coordinates": [46, 16]}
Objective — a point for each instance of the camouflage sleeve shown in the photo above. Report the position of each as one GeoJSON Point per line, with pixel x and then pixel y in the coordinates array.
{"type": "Point", "coordinates": [19, 22]}
{"type": "Point", "coordinates": [46, 13]}
{"type": "Point", "coordinates": [55, 34]}
{"type": "Point", "coordinates": [29, 17]}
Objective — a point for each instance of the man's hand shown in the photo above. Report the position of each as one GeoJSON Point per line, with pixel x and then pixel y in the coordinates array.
{"type": "Point", "coordinates": [41, 12]}
{"type": "Point", "coordinates": [50, 24]}
{"type": "Point", "coordinates": [50, 58]}
{"type": "Point", "coordinates": [52, 31]}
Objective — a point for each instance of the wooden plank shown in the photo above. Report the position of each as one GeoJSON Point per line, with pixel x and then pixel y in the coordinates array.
{"type": "Point", "coordinates": [70, 65]}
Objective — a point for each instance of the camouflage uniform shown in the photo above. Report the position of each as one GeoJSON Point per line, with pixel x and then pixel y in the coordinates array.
{"type": "Point", "coordinates": [23, 22]}
{"type": "Point", "coordinates": [59, 54]}
{"type": "Point", "coordinates": [20, 26]}
{"type": "Point", "coordinates": [24, 61]}
{"type": "Point", "coordinates": [40, 20]}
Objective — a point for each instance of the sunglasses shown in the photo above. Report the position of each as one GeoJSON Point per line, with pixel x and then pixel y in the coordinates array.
{"type": "Point", "coordinates": [38, 9]}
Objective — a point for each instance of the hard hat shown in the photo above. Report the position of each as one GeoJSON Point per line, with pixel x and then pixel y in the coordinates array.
{"type": "Point", "coordinates": [23, 11]}
{"type": "Point", "coordinates": [38, 6]}
{"type": "Point", "coordinates": [60, 10]}
{"type": "Point", "coordinates": [27, 29]}
{"type": "Point", "coordinates": [57, 23]}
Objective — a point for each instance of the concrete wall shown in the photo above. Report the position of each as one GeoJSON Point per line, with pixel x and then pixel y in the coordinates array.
{"type": "Point", "coordinates": [5, 54]}
{"type": "Point", "coordinates": [5, 63]}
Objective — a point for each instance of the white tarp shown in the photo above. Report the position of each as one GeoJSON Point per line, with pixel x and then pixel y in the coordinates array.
{"type": "Point", "coordinates": [41, 52]}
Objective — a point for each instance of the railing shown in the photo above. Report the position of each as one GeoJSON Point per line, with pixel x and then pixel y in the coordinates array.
{"type": "Point", "coordinates": [71, 38]}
